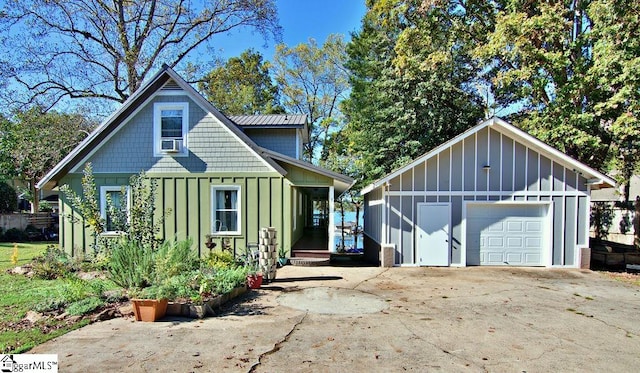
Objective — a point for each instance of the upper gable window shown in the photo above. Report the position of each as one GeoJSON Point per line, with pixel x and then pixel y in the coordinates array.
{"type": "Point", "coordinates": [170, 126]}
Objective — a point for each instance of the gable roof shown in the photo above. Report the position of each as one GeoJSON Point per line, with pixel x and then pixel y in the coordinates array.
{"type": "Point", "coordinates": [167, 79]}
{"type": "Point", "coordinates": [594, 177]}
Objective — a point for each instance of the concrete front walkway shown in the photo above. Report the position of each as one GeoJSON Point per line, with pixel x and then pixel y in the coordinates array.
{"type": "Point", "coordinates": [374, 319]}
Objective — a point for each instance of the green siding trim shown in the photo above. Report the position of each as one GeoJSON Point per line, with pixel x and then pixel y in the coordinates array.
{"type": "Point", "coordinates": [301, 177]}
{"type": "Point", "coordinates": [265, 202]}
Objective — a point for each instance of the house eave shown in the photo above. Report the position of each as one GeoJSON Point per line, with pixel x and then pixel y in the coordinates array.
{"type": "Point", "coordinates": [501, 125]}
{"type": "Point", "coordinates": [51, 178]}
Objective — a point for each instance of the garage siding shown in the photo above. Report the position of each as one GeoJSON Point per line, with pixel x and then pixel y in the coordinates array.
{"type": "Point", "coordinates": [457, 174]}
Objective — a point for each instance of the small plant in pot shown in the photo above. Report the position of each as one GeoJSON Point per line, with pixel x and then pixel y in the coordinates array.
{"type": "Point", "coordinates": [282, 256]}
{"type": "Point", "coordinates": [252, 266]}
{"type": "Point", "coordinates": [254, 279]}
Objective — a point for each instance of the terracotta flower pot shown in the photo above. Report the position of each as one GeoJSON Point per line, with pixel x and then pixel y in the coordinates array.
{"type": "Point", "coordinates": [254, 281]}
{"type": "Point", "coordinates": [149, 310]}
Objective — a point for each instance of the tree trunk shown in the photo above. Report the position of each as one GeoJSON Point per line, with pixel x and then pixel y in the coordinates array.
{"type": "Point", "coordinates": [356, 231]}
{"type": "Point", "coordinates": [35, 204]}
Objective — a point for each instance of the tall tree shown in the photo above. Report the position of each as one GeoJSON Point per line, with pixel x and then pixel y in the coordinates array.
{"type": "Point", "coordinates": [538, 56]}
{"type": "Point", "coordinates": [616, 69]}
{"type": "Point", "coordinates": [312, 81]}
{"type": "Point", "coordinates": [33, 142]}
{"type": "Point", "coordinates": [242, 86]}
{"type": "Point", "coordinates": [572, 70]}
{"type": "Point", "coordinates": [105, 49]}
{"type": "Point", "coordinates": [413, 80]}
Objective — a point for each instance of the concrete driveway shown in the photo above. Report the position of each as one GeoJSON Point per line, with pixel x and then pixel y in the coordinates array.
{"type": "Point", "coordinates": [375, 319]}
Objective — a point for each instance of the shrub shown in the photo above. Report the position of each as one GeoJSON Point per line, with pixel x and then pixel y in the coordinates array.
{"type": "Point", "coordinates": [219, 259]}
{"type": "Point", "coordinates": [45, 206]}
{"type": "Point", "coordinates": [139, 224]}
{"type": "Point", "coordinates": [15, 235]}
{"type": "Point", "coordinates": [173, 258]}
{"type": "Point", "coordinates": [229, 278]}
{"type": "Point", "coordinates": [8, 198]}
{"type": "Point", "coordinates": [181, 286]}
{"type": "Point", "coordinates": [131, 264]}
{"type": "Point", "coordinates": [53, 263]}
{"type": "Point", "coordinates": [49, 304]}
{"type": "Point", "coordinates": [33, 233]}
{"type": "Point", "coordinates": [84, 306]}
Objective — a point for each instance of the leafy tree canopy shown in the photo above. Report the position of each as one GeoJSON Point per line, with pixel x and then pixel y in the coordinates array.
{"type": "Point", "coordinates": [242, 86]}
{"type": "Point", "coordinates": [312, 81]}
{"type": "Point", "coordinates": [573, 69]}
{"type": "Point", "coordinates": [105, 49]}
{"type": "Point", "coordinates": [412, 78]}
{"type": "Point", "coordinates": [33, 142]}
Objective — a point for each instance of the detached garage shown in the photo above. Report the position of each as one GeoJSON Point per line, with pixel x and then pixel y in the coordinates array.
{"type": "Point", "coordinates": [493, 195]}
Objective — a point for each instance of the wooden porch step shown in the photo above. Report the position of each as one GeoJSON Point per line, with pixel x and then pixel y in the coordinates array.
{"type": "Point", "coordinates": [310, 253]}
{"type": "Point", "coordinates": [308, 262]}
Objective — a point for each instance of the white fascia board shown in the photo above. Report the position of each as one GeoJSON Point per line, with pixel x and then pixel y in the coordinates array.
{"type": "Point", "coordinates": [84, 143]}
{"type": "Point", "coordinates": [425, 156]}
{"type": "Point", "coordinates": [565, 160]}
{"type": "Point", "coordinates": [518, 134]}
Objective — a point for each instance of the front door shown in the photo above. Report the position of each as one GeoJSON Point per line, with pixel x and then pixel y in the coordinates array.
{"type": "Point", "coordinates": [432, 235]}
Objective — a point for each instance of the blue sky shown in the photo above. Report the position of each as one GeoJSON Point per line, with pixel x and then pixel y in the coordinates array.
{"type": "Point", "coordinates": [300, 20]}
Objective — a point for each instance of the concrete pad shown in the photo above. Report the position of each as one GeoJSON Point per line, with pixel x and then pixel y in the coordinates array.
{"type": "Point", "coordinates": [333, 301]}
{"type": "Point", "coordinates": [451, 319]}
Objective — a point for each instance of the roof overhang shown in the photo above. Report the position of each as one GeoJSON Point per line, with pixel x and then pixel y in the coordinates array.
{"type": "Point", "coordinates": [594, 178]}
{"type": "Point", "coordinates": [52, 178]}
{"type": "Point", "coordinates": [341, 183]}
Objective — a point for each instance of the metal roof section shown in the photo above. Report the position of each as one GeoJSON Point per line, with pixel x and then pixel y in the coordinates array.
{"type": "Point", "coordinates": [342, 183]}
{"type": "Point", "coordinates": [156, 83]}
{"type": "Point", "coordinates": [271, 120]}
{"type": "Point", "coordinates": [596, 179]}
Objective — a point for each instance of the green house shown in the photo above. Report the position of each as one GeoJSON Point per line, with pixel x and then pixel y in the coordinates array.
{"type": "Point", "coordinates": [220, 177]}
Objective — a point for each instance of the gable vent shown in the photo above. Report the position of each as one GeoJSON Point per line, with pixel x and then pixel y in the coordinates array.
{"type": "Point", "coordinates": [171, 85]}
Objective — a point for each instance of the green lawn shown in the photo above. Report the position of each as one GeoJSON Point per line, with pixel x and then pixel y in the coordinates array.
{"type": "Point", "coordinates": [19, 294]}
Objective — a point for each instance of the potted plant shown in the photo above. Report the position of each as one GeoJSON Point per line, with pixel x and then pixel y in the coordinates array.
{"type": "Point", "coordinates": [149, 304]}
{"type": "Point", "coordinates": [282, 256]}
{"type": "Point", "coordinates": [254, 279]}
{"type": "Point", "coordinates": [254, 272]}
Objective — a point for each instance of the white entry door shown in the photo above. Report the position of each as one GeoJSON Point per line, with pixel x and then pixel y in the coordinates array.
{"type": "Point", "coordinates": [432, 235]}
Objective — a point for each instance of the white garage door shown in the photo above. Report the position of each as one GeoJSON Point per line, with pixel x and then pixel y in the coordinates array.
{"type": "Point", "coordinates": [506, 234]}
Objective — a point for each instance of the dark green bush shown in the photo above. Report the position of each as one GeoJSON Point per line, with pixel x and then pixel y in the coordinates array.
{"type": "Point", "coordinates": [8, 198]}
{"type": "Point", "coordinates": [85, 306]}
{"type": "Point", "coordinates": [15, 235]}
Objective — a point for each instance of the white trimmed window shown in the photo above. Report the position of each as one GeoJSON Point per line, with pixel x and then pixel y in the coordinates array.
{"type": "Point", "coordinates": [225, 210]}
{"type": "Point", "coordinates": [114, 207]}
{"type": "Point", "coordinates": [170, 127]}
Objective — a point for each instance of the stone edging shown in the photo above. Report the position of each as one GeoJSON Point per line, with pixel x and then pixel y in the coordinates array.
{"type": "Point", "coordinates": [198, 311]}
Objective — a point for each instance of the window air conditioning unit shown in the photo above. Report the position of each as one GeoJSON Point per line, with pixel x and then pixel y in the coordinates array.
{"type": "Point", "coordinates": [171, 145]}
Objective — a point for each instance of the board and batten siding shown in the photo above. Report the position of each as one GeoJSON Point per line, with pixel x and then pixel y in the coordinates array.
{"type": "Point", "coordinates": [188, 197]}
{"type": "Point", "coordinates": [457, 175]}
